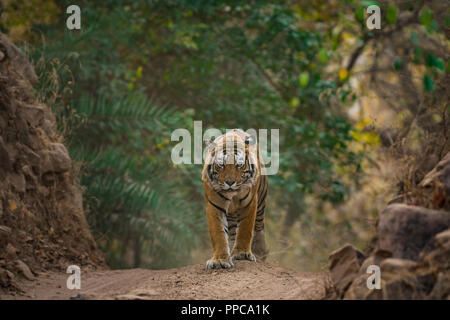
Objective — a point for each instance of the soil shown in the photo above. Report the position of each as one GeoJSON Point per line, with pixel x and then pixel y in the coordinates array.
{"type": "Point", "coordinates": [248, 280]}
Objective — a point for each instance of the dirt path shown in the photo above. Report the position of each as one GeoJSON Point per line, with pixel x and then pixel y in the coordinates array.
{"type": "Point", "coordinates": [246, 281]}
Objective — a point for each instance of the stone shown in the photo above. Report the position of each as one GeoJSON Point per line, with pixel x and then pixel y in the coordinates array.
{"type": "Point", "coordinates": [10, 252]}
{"type": "Point", "coordinates": [344, 265]}
{"type": "Point", "coordinates": [5, 159]}
{"type": "Point", "coordinates": [5, 231]}
{"type": "Point", "coordinates": [17, 180]}
{"type": "Point", "coordinates": [55, 159]}
{"type": "Point", "coordinates": [19, 60]}
{"type": "Point", "coordinates": [442, 239]}
{"type": "Point", "coordinates": [30, 177]}
{"type": "Point", "coordinates": [441, 290]}
{"type": "Point", "coordinates": [31, 157]}
{"type": "Point", "coordinates": [406, 230]}
{"type": "Point", "coordinates": [4, 279]}
{"type": "Point", "coordinates": [439, 257]}
{"type": "Point", "coordinates": [375, 259]}
{"type": "Point", "coordinates": [33, 115]}
{"type": "Point", "coordinates": [395, 265]}
{"type": "Point", "coordinates": [24, 270]}
{"type": "Point", "coordinates": [79, 296]}
{"type": "Point", "coordinates": [358, 290]}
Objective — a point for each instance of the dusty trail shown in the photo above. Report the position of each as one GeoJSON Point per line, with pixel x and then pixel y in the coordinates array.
{"type": "Point", "coordinates": [248, 280]}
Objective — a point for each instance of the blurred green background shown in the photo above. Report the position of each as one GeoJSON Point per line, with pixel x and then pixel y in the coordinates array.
{"type": "Point", "coordinates": [362, 113]}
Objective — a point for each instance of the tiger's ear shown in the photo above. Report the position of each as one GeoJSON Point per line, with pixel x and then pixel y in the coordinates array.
{"type": "Point", "coordinates": [251, 140]}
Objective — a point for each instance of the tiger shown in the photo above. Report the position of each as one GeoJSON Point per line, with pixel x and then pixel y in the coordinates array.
{"type": "Point", "coordinates": [235, 193]}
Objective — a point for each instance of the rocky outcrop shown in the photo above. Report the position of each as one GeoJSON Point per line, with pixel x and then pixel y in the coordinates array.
{"type": "Point", "coordinates": [406, 230]}
{"type": "Point", "coordinates": [412, 248]}
{"type": "Point", "coordinates": [345, 263]}
{"type": "Point", "coordinates": [42, 224]}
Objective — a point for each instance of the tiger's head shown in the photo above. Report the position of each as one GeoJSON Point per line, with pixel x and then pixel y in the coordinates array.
{"type": "Point", "coordinates": [231, 162]}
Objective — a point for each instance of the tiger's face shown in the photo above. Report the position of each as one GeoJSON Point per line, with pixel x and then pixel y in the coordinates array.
{"type": "Point", "coordinates": [231, 170]}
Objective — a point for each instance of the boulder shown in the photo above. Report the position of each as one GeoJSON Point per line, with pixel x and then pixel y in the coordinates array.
{"type": "Point", "coordinates": [406, 230]}
{"type": "Point", "coordinates": [344, 265]}
{"type": "Point", "coordinates": [403, 287]}
{"type": "Point", "coordinates": [441, 290]}
{"type": "Point", "coordinates": [55, 159]}
{"type": "Point", "coordinates": [439, 258]}
{"type": "Point", "coordinates": [375, 259]}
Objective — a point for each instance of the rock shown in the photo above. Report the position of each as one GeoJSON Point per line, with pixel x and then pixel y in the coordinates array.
{"type": "Point", "coordinates": [358, 290]}
{"type": "Point", "coordinates": [30, 177]}
{"type": "Point", "coordinates": [144, 292]}
{"type": "Point", "coordinates": [11, 152]}
{"type": "Point", "coordinates": [442, 239]}
{"type": "Point", "coordinates": [439, 258]}
{"type": "Point", "coordinates": [406, 230]}
{"type": "Point", "coordinates": [4, 279]}
{"type": "Point", "coordinates": [30, 156]}
{"type": "Point", "coordinates": [394, 265]}
{"type": "Point", "coordinates": [24, 270]}
{"type": "Point", "coordinates": [10, 252]}
{"type": "Point", "coordinates": [5, 160]}
{"type": "Point", "coordinates": [10, 275]}
{"type": "Point", "coordinates": [55, 159]}
{"type": "Point", "coordinates": [441, 289]}
{"type": "Point", "coordinates": [17, 180]}
{"type": "Point", "coordinates": [5, 232]}
{"type": "Point", "coordinates": [79, 296]}
{"type": "Point", "coordinates": [374, 259]}
{"type": "Point", "coordinates": [404, 287]}
{"type": "Point", "coordinates": [345, 264]}
{"type": "Point", "coordinates": [18, 59]}
{"type": "Point", "coordinates": [130, 297]}
{"type": "Point", "coordinates": [32, 114]}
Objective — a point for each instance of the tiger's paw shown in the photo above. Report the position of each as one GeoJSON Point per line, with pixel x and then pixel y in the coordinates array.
{"type": "Point", "coordinates": [219, 263]}
{"type": "Point", "coordinates": [243, 255]}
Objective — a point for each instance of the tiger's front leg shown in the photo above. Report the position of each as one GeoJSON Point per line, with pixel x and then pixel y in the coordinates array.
{"type": "Point", "coordinates": [242, 248]}
{"type": "Point", "coordinates": [217, 225]}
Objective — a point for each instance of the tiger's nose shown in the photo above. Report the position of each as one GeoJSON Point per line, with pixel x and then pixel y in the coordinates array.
{"type": "Point", "coordinates": [229, 182]}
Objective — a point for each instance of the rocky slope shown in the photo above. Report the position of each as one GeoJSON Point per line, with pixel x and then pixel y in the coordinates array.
{"type": "Point", "coordinates": [411, 248]}
{"type": "Point", "coordinates": [42, 224]}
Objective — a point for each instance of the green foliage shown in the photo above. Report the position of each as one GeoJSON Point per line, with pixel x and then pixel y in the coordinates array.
{"type": "Point", "coordinates": [426, 17]}
{"type": "Point", "coordinates": [391, 13]}
{"type": "Point", "coordinates": [428, 83]}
